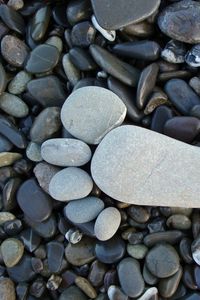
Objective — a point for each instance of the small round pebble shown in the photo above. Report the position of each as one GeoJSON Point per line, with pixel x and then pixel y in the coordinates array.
{"type": "Point", "coordinates": [12, 251]}
{"type": "Point", "coordinates": [13, 105]}
{"type": "Point", "coordinates": [137, 251]}
{"type": "Point", "coordinates": [18, 84]}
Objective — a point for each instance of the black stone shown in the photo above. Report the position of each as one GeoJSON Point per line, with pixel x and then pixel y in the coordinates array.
{"type": "Point", "coordinates": [82, 59]}
{"type": "Point", "coordinates": [78, 10]}
{"type": "Point", "coordinates": [45, 229]}
{"type": "Point", "coordinates": [185, 250]}
{"type": "Point", "coordinates": [83, 34]}
{"type": "Point", "coordinates": [161, 115]}
{"type": "Point", "coordinates": [12, 18]}
{"type": "Point", "coordinates": [22, 271]}
{"type": "Point", "coordinates": [9, 193]}
{"type": "Point", "coordinates": [55, 252]}
{"type": "Point", "coordinates": [59, 15]}
{"type": "Point", "coordinates": [188, 277]}
{"type": "Point", "coordinates": [39, 23]}
{"type": "Point", "coordinates": [13, 227]}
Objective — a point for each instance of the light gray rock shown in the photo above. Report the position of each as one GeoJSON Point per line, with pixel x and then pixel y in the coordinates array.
{"type": "Point", "coordinates": [89, 113]}
{"type": "Point", "coordinates": [13, 105]}
{"type": "Point", "coordinates": [83, 210]}
{"type": "Point", "coordinates": [139, 166]}
{"type": "Point", "coordinates": [33, 152]}
{"type": "Point", "coordinates": [70, 184]}
{"type": "Point", "coordinates": [66, 152]}
{"type": "Point", "coordinates": [107, 223]}
{"type": "Point", "coordinates": [19, 82]}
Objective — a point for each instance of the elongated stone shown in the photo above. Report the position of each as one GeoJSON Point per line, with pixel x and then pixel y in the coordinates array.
{"type": "Point", "coordinates": [40, 22]}
{"type": "Point", "coordinates": [13, 105]}
{"type": "Point", "coordinates": [12, 19]}
{"type": "Point", "coordinates": [157, 161]}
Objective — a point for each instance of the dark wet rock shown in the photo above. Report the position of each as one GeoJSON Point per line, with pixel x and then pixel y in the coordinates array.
{"type": "Point", "coordinates": [181, 21]}
{"type": "Point", "coordinates": [45, 229]}
{"type": "Point", "coordinates": [139, 214]}
{"type": "Point", "coordinates": [59, 15]}
{"type": "Point", "coordinates": [188, 277]}
{"type": "Point", "coordinates": [78, 10]}
{"type": "Point", "coordinates": [73, 293]}
{"type": "Point", "coordinates": [30, 239]}
{"type": "Point", "coordinates": [39, 23]}
{"type": "Point", "coordinates": [174, 52]}
{"type": "Point", "coordinates": [3, 79]}
{"type": "Point", "coordinates": [82, 59]}
{"type": "Point", "coordinates": [9, 193]}
{"type": "Point", "coordinates": [12, 19]}
{"type": "Point", "coordinates": [191, 296]}
{"type": "Point", "coordinates": [185, 250]}
{"type": "Point", "coordinates": [13, 227]}
{"type": "Point", "coordinates": [114, 292]}
{"type": "Point", "coordinates": [48, 91]}
{"type": "Point", "coordinates": [38, 207]}
{"type": "Point", "coordinates": [42, 59]}
{"type": "Point", "coordinates": [156, 99]}
{"type": "Point", "coordinates": [110, 251]}
{"type": "Point", "coordinates": [182, 74]}
{"type": "Point", "coordinates": [7, 289]}
{"type": "Point", "coordinates": [114, 15]}
{"type": "Point", "coordinates": [97, 273]}
{"type": "Point", "coordinates": [169, 236]}
{"type": "Point", "coordinates": [193, 56]}
{"type": "Point", "coordinates": [144, 50]}
{"type": "Point", "coordinates": [55, 252]}
{"type": "Point", "coordinates": [83, 34]}
{"type": "Point", "coordinates": [197, 275]}
{"type": "Point", "coordinates": [168, 286]}
{"type": "Point", "coordinates": [14, 50]}
{"type": "Point", "coordinates": [22, 271]}
{"type": "Point", "coordinates": [184, 129]}
{"type": "Point", "coordinates": [181, 95]}
{"type": "Point", "coordinates": [161, 115]}
{"type": "Point", "coordinates": [114, 66]}
{"type": "Point", "coordinates": [142, 29]}
{"type": "Point", "coordinates": [179, 221]}
{"type": "Point", "coordinates": [146, 84]}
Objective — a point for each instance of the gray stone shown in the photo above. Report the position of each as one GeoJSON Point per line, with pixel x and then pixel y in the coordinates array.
{"type": "Point", "coordinates": [114, 292]}
{"type": "Point", "coordinates": [6, 216]}
{"type": "Point", "coordinates": [56, 42]}
{"type": "Point", "coordinates": [7, 289]}
{"type": "Point", "coordinates": [33, 152]}
{"type": "Point", "coordinates": [107, 223]}
{"type": "Point", "coordinates": [130, 277]}
{"type": "Point", "coordinates": [13, 105]}
{"type": "Point", "coordinates": [18, 84]}
{"type": "Point", "coordinates": [8, 158]}
{"type": "Point", "coordinates": [89, 113]}
{"type": "Point", "coordinates": [83, 210]}
{"type": "Point", "coordinates": [72, 72]}
{"type": "Point", "coordinates": [151, 168]}
{"type": "Point", "coordinates": [138, 251]}
{"type": "Point", "coordinates": [66, 152]}
{"type": "Point", "coordinates": [168, 286]}
{"type": "Point", "coordinates": [70, 184]}
{"type": "Point", "coordinates": [12, 251]}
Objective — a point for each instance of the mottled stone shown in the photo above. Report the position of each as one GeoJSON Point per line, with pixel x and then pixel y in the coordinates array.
{"type": "Point", "coordinates": [12, 251]}
{"type": "Point", "coordinates": [18, 84]}
{"type": "Point", "coordinates": [12, 19]}
{"type": "Point", "coordinates": [168, 286]}
{"type": "Point", "coordinates": [7, 289]}
{"type": "Point", "coordinates": [8, 158]}
{"type": "Point", "coordinates": [13, 105]}
{"type": "Point", "coordinates": [86, 287]}
{"type": "Point", "coordinates": [72, 293]}
{"type": "Point", "coordinates": [137, 251]}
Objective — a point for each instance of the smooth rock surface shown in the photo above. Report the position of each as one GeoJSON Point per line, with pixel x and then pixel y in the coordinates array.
{"type": "Point", "coordinates": [7, 289]}
{"type": "Point", "coordinates": [70, 184]}
{"type": "Point", "coordinates": [22, 271]}
{"type": "Point", "coordinates": [66, 152]}
{"type": "Point", "coordinates": [92, 105]}
{"type": "Point", "coordinates": [83, 210]}
{"type": "Point", "coordinates": [18, 84]}
{"type": "Point", "coordinates": [157, 156]}
{"type": "Point", "coordinates": [13, 105]}
{"type": "Point", "coordinates": [12, 251]}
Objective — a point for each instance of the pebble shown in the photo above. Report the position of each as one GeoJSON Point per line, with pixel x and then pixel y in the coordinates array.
{"type": "Point", "coordinates": [114, 292]}
{"type": "Point", "coordinates": [156, 99]}
{"type": "Point", "coordinates": [114, 66]}
{"type": "Point", "coordinates": [86, 287]}
{"type": "Point", "coordinates": [73, 293]}
{"type": "Point", "coordinates": [168, 286]}
{"type": "Point", "coordinates": [162, 261]}
{"type": "Point", "coordinates": [9, 192]}
{"type": "Point", "coordinates": [18, 84]}
{"type": "Point", "coordinates": [30, 239]}
{"type": "Point", "coordinates": [16, 4]}
{"type": "Point", "coordinates": [66, 152]}
{"type": "Point", "coordinates": [149, 278]}
{"type": "Point", "coordinates": [22, 271]}
{"type": "Point", "coordinates": [13, 105]}
{"type": "Point", "coordinates": [150, 294]}
{"type": "Point", "coordinates": [48, 91]}
{"type": "Point", "coordinates": [184, 129]}
{"type": "Point", "coordinates": [146, 84]}
{"type": "Point", "coordinates": [188, 277]}
{"type": "Point", "coordinates": [39, 23]}
{"type": "Point", "coordinates": [81, 102]}
{"type": "Point", "coordinates": [70, 184]}
{"type": "Point", "coordinates": [6, 216]}
{"type": "Point", "coordinates": [44, 173]}
{"type": "Point", "coordinates": [83, 210]}
{"type": "Point", "coordinates": [193, 56]}
{"type": "Point", "coordinates": [197, 275]}
{"type": "Point", "coordinates": [80, 253]}
{"type": "Point", "coordinates": [111, 216]}
{"type": "Point", "coordinates": [174, 52]}
{"type": "Point", "coordinates": [72, 72]}
{"type": "Point", "coordinates": [8, 158]}
{"type": "Point", "coordinates": [185, 250]}
{"type": "Point", "coordinates": [3, 79]}
{"type": "Point", "coordinates": [97, 273]}
{"type": "Point", "coordinates": [114, 15]}
{"type": "Point", "coordinates": [110, 251]}
{"type": "Point", "coordinates": [142, 29]}
{"type": "Point", "coordinates": [12, 251]}
{"type": "Point", "coordinates": [83, 34]}
{"type": "Point", "coordinates": [144, 50]}
{"type": "Point", "coordinates": [12, 19]}
{"type": "Point", "coordinates": [195, 84]}
{"type": "Point", "coordinates": [119, 181]}
{"type": "Point", "coordinates": [138, 213]}
{"type": "Point", "coordinates": [110, 35]}
{"type": "Point", "coordinates": [181, 21]}
{"type": "Point", "coordinates": [7, 289]}
{"type": "Point", "coordinates": [191, 296]}
{"type": "Point", "coordinates": [39, 205]}
{"type": "Point", "coordinates": [42, 59]}
{"type": "Point", "coordinates": [45, 125]}
{"type": "Point", "coordinates": [33, 152]}
{"type": "Point", "coordinates": [195, 247]}
{"type": "Point", "coordinates": [78, 11]}
{"type": "Point", "coordinates": [130, 277]}
{"type": "Point", "coordinates": [180, 222]}
{"type": "Point", "coordinates": [45, 229]}
{"type": "Point", "coordinates": [55, 253]}
{"type": "Point", "coordinates": [81, 59]}
{"type": "Point", "coordinates": [137, 251]}
{"type": "Point", "coordinates": [14, 50]}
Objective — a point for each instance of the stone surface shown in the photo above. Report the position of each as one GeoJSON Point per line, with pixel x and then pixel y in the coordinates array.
{"type": "Point", "coordinates": [82, 59]}
{"type": "Point", "coordinates": [3, 79]}
{"type": "Point", "coordinates": [174, 52]}
{"type": "Point", "coordinates": [13, 105]}
{"type": "Point", "coordinates": [159, 155]}
{"type": "Point", "coordinates": [72, 293]}
{"type": "Point", "coordinates": [12, 251]}
{"type": "Point", "coordinates": [55, 253]}
{"type": "Point", "coordinates": [107, 223]}
{"type": "Point", "coordinates": [181, 21]}
{"type": "Point", "coordinates": [86, 287]}
{"type": "Point", "coordinates": [70, 184]}
{"type": "Point", "coordinates": [22, 271]}
{"type": "Point", "coordinates": [83, 210]}
{"type": "Point", "coordinates": [66, 152]}
{"type": "Point", "coordinates": [138, 251]}
{"type": "Point", "coordinates": [72, 72]}
{"type": "Point", "coordinates": [18, 84]}
{"type": "Point", "coordinates": [114, 292]}
{"type": "Point", "coordinates": [168, 286]}
{"type": "Point", "coordinates": [167, 236]}
{"type": "Point", "coordinates": [7, 289]}
{"type": "Point", "coordinates": [108, 111]}
{"type": "Point", "coordinates": [113, 14]}
{"type": "Point", "coordinates": [195, 248]}
{"type": "Point", "coordinates": [130, 277]}
{"type": "Point", "coordinates": [12, 19]}
{"type": "Point", "coordinates": [39, 23]}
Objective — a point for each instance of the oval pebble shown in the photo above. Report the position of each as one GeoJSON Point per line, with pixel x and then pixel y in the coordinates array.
{"type": "Point", "coordinates": [66, 152]}
{"type": "Point", "coordinates": [12, 251]}
{"type": "Point", "coordinates": [107, 223]}
{"type": "Point", "coordinates": [70, 184]}
{"type": "Point", "coordinates": [83, 210]}
{"type": "Point", "coordinates": [13, 105]}
{"type": "Point", "coordinates": [92, 105]}
{"type": "Point", "coordinates": [179, 222]}
{"type": "Point", "coordinates": [7, 289]}
{"type": "Point", "coordinates": [18, 84]}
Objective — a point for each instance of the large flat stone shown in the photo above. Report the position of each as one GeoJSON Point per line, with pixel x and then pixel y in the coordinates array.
{"type": "Point", "coordinates": [139, 166]}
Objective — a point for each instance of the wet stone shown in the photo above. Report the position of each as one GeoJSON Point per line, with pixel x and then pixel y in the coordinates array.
{"type": "Point", "coordinates": [45, 229]}
{"type": "Point", "coordinates": [66, 152]}
{"type": "Point", "coordinates": [13, 105]}
{"type": "Point", "coordinates": [149, 278]}
{"type": "Point", "coordinates": [156, 99]}
{"type": "Point", "coordinates": [13, 227]}
{"type": "Point", "coordinates": [161, 115]}
{"type": "Point", "coordinates": [83, 34]}
{"type": "Point", "coordinates": [82, 59]}
{"type": "Point", "coordinates": [8, 158]}
{"type": "Point", "coordinates": [97, 273]}
{"type": "Point", "coordinates": [81, 102]}
{"type": "Point", "coordinates": [185, 250]}
{"type": "Point", "coordinates": [193, 56]}
{"type": "Point", "coordinates": [12, 19]}
{"type": "Point", "coordinates": [137, 251]}
{"type": "Point", "coordinates": [86, 287]}
{"type": "Point", "coordinates": [55, 252]}
{"type": "Point", "coordinates": [188, 277]}
{"type": "Point", "coordinates": [138, 213]}
{"type": "Point", "coordinates": [174, 52]}
{"type": "Point", "coordinates": [22, 271]}
{"type": "Point", "coordinates": [7, 289]}
{"type": "Point", "coordinates": [12, 251]}
{"type": "Point", "coordinates": [78, 11]}
{"type": "Point", "coordinates": [179, 222]}
{"type": "Point", "coordinates": [33, 201]}
{"type": "Point", "coordinates": [42, 59]}
{"type": "Point", "coordinates": [162, 261]}
{"type": "Point", "coordinates": [197, 275]}
{"type": "Point", "coordinates": [39, 23]}
{"type": "Point", "coordinates": [16, 4]}
{"type": "Point", "coordinates": [110, 35]}
{"type": "Point", "coordinates": [169, 236]}
{"type": "Point", "coordinates": [195, 84]}
{"type": "Point", "coordinates": [72, 72]}
{"type": "Point", "coordinates": [3, 79]}
{"type": "Point", "coordinates": [195, 247]}
{"type": "Point", "coordinates": [56, 42]}
{"type": "Point", "coordinates": [59, 15]}
{"type": "Point", "coordinates": [168, 286]}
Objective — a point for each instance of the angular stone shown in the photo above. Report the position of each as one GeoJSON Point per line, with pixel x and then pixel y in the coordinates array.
{"type": "Point", "coordinates": [72, 293]}
{"type": "Point", "coordinates": [12, 251]}
{"type": "Point", "coordinates": [108, 111]}
{"type": "Point", "coordinates": [112, 14]}
{"type": "Point", "coordinates": [13, 105]}
{"type": "Point", "coordinates": [66, 152]}
{"type": "Point", "coordinates": [157, 156]}
{"type": "Point", "coordinates": [40, 22]}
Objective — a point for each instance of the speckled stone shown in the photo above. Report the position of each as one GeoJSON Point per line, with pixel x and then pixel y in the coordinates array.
{"type": "Point", "coordinates": [18, 84]}
{"type": "Point", "coordinates": [157, 156]}
{"type": "Point", "coordinates": [70, 184]}
{"type": "Point", "coordinates": [12, 251]}
{"type": "Point", "coordinates": [108, 111]}
{"type": "Point", "coordinates": [13, 105]}
{"type": "Point", "coordinates": [7, 289]}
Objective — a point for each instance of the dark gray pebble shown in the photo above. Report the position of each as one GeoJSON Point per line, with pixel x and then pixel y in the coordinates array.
{"type": "Point", "coordinates": [185, 250]}
{"type": "Point", "coordinates": [30, 239]}
{"type": "Point", "coordinates": [55, 252]}
{"type": "Point", "coordinates": [12, 19]}
{"type": "Point", "coordinates": [78, 10]}
{"type": "Point", "coordinates": [82, 59]}
{"type": "Point", "coordinates": [22, 271]}
{"type": "Point", "coordinates": [45, 229]}
{"type": "Point", "coordinates": [39, 23]}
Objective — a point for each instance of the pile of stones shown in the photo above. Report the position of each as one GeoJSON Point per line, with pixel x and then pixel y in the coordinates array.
{"type": "Point", "coordinates": [99, 149]}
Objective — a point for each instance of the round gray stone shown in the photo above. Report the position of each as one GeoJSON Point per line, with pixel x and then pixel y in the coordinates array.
{"type": "Point", "coordinates": [72, 293]}
{"type": "Point", "coordinates": [89, 113]}
{"type": "Point", "coordinates": [13, 105]}
{"type": "Point", "coordinates": [33, 152]}
{"type": "Point", "coordinates": [70, 184]}
{"type": "Point", "coordinates": [66, 152]}
{"type": "Point", "coordinates": [135, 161]}
{"type": "Point", "coordinates": [18, 84]}
{"type": "Point", "coordinates": [7, 289]}
{"type": "Point", "coordinates": [83, 210]}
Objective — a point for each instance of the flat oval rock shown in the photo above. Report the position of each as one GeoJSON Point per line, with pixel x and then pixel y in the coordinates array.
{"type": "Point", "coordinates": [181, 21]}
{"type": "Point", "coordinates": [113, 14]}
{"type": "Point", "coordinates": [151, 168]}
{"type": "Point", "coordinates": [66, 152]}
{"type": "Point", "coordinates": [70, 184]}
{"type": "Point", "coordinates": [89, 106]}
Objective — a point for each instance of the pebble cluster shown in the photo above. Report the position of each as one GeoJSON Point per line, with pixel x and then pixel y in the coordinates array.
{"type": "Point", "coordinates": [99, 150]}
